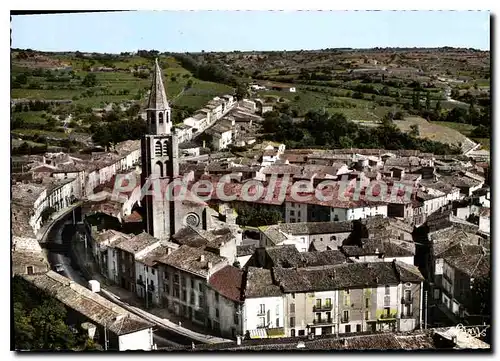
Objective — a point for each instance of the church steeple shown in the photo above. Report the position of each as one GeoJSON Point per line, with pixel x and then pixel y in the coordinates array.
{"type": "Point", "coordinates": [158, 110]}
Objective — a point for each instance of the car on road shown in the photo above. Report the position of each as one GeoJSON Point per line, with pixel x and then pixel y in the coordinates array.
{"type": "Point", "coordinates": [59, 267]}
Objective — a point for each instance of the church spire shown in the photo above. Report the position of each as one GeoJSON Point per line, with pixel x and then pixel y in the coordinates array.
{"type": "Point", "coordinates": [157, 96]}
{"type": "Point", "coordinates": [158, 110]}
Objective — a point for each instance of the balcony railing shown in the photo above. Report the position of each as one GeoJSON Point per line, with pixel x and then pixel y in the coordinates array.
{"type": "Point", "coordinates": [390, 316]}
{"type": "Point", "coordinates": [406, 300]}
{"type": "Point", "coordinates": [324, 321]}
{"type": "Point", "coordinates": [261, 313]}
{"type": "Point", "coordinates": [322, 308]}
{"type": "Point", "coordinates": [344, 320]}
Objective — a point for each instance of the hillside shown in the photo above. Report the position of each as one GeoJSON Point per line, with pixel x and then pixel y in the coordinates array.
{"type": "Point", "coordinates": [365, 86]}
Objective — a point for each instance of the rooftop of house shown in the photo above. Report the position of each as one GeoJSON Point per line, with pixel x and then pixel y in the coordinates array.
{"type": "Point", "coordinates": [275, 232]}
{"type": "Point", "coordinates": [200, 238]}
{"type": "Point", "coordinates": [228, 282]}
{"type": "Point", "coordinates": [461, 181]}
{"type": "Point", "coordinates": [382, 247]}
{"type": "Point", "coordinates": [473, 260]}
{"type": "Point", "coordinates": [247, 250]}
{"type": "Point", "coordinates": [137, 243]}
{"type": "Point", "coordinates": [20, 220]}
{"type": "Point", "coordinates": [96, 308]}
{"type": "Point", "coordinates": [348, 275]}
{"type": "Point", "coordinates": [110, 236]}
{"type": "Point", "coordinates": [151, 258]}
{"type": "Point", "coordinates": [192, 260]}
{"type": "Point", "coordinates": [127, 146]}
{"type": "Point", "coordinates": [259, 283]}
{"type": "Point", "coordinates": [26, 193]}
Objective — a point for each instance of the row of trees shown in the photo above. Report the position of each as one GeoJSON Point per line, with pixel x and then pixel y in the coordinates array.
{"type": "Point", "coordinates": [321, 129]}
{"type": "Point", "coordinates": [40, 321]}
{"type": "Point", "coordinates": [255, 217]}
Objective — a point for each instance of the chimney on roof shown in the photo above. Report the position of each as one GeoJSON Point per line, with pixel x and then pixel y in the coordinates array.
{"type": "Point", "coordinates": [169, 250]}
{"type": "Point", "coordinates": [376, 251]}
{"type": "Point", "coordinates": [202, 258]}
{"type": "Point", "coordinates": [238, 340]}
{"type": "Point", "coordinates": [209, 265]}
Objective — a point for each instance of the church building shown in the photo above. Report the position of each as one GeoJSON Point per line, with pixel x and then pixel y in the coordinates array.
{"type": "Point", "coordinates": [164, 216]}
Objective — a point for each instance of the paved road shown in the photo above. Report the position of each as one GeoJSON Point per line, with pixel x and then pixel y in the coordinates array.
{"type": "Point", "coordinates": [58, 244]}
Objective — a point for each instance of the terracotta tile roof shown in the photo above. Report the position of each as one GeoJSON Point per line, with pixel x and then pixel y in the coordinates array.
{"type": "Point", "coordinates": [98, 309]}
{"type": "Point", "coordinates": [228, 282]}
{"type": "Point", "coordinates": [259, 283]}
{"type": "Point", "coordinates": [137, 243]}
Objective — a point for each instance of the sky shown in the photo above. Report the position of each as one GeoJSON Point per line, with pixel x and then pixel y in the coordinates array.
{"type": "Point", "coordinates": [193, 31]}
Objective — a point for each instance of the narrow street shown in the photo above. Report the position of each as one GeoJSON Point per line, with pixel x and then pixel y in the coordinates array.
{"type": "Point", "coordinates": [58, 246]}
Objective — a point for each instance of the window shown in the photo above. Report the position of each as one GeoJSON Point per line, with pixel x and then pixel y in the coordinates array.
{"type": "Point", "coordinates": [184, 281]}
{"type": "Point", "coordinates": [292, 307]}
{"type": "Point", "coordinates": [191, 298]}
{"type": "Point", "coordinates": [277, 322]}
{"type": "Point", "coordinates": [347, 328]}
{"type": "Point", "coordinates": [216, 313]}
{"type": "Point", "coordinates": [408, 295]}
{"type": "Point", "coordinates": [216, 297]}
{"type": "Point", "coordinates": [387, 311]}
{"type": "Point", "coordinates": [166, 288]}
{"type": "Point", "coordinates": [346, 316]}
{"type": "Point", "coordinates": [292, 220]}
{"type": "Point", "coordinates": [183, 295]}
{"type": "Point", "coordinates": [192, 283]}
{"type": "Point", "coordinates": [160, 117]}
{"type": "Point", "coordinates": [302, 332]}
{"type": "Point", "coordinates": [200, 301]}
{"type": "Point", "coordinates": [236, 319]}
{"type": "Point", "coordinates": [292, 213]}
{"type": "Point", "coordinates": [367, 315]}
{"type": "Point", "coordinates": [176, 279]}
{"type": "Point", "coordinates": [268, 316]}
{"type": "Point", "coordinates": [387, 290]}
{"type": "Point", "coordinates": [328, 302]}
{"type": "Point", "coordinates": [262, 309]}
{"type": "Point", "coordinates": [298, 214]}
{"type": "Point", "coordinates": [176, 292]}
{"type": "Point", "coordinates": [29, 270]}
{"type": "Point", "coordinates": [293, 295]}
{"type": "Point", "coordinates": [153, 271]}
{"type": "Point", "coordinates": [165, 275]}
{"type": "Point", "coordinates": [200, 287]}
{"type": "Point", "coordinates": [329, 316]}
{"type": "Point", "coordinates": [262, 322]}
{"type": "Point", "coordinates": [292, 321]}
{"type": "Point", "coordinates": [318, 317]}
{"type": "Point", "coordinates": [358, 328]}
{"type": "Point", "coordinates": [277, 309]}
{"type": "Point", "coordinates": [292, 333]}
{"type": "Point", "coordinates": [318, 303]}
{"type": "Point", "coordinates": [367, 302]}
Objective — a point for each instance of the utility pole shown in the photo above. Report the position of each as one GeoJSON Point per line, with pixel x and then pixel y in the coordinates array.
{"type": "Point", "coordinates": [146, 270]}
{"type": "Point", "coordinates": [105, 338]}
{"type": "Point", "coordinates": [426, 308]}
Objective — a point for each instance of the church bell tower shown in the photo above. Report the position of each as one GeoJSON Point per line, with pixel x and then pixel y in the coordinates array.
{"type": "Point", "coordinates": [160, 161]}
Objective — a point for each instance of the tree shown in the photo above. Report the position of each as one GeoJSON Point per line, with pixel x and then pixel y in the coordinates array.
{"type": "Point", "coordinates": [189, 84]}
{"type": "Point", "coordinates": [414, 131]}
{"type": "Point", "coordinates": [437, 109]}
{"type": "Point", "coordinates": [479, 300]}
{"type": "Point", "coordinates": [428, 100]}
{"type": "Point", "coordinates": [39, 320]}
{"type": "Point", "coordinates": [241, 91]}
{"type": "Point", "coordinates": [90, 80]}
{"type": "Point", "coordinates": [21, 79]}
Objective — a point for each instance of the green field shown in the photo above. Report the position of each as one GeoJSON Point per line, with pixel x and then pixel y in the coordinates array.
{"type": "Point", "coordinates": [465, 129]}
{"type": "Point", "coordinates": [114, 82]}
